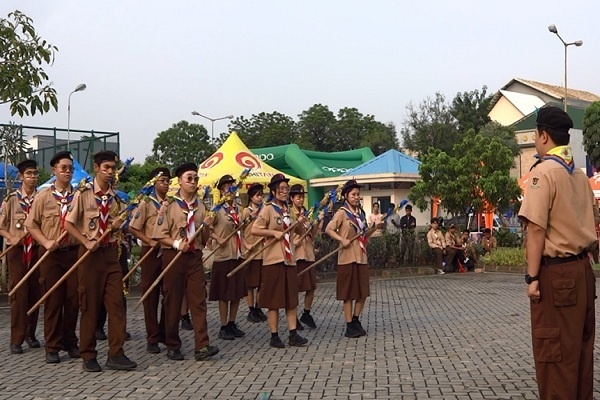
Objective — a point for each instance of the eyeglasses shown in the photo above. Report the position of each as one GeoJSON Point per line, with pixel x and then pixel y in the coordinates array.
{"type": "Point", "coordinates": [283, 190]}
{"type": "Point", "coordinates": [65, 168]}
{"type": "Point", "coordinates": [190, 179]}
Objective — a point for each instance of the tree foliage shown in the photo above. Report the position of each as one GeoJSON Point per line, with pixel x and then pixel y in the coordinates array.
{"type": "Point", "coordinates": [591, 133]}
{"type": "Point", "coordinates": [470, 109]}
{"type": "Point", "coordinates": [506, 134]}
{"type": "Point", "coordinates": [137, 175]}
{"type": "Point", "coordinates": [265, 129]}
{"type": "Point", "coordinates": [478, 177]}
{"type": "Point", "coordinates": [23, 82]}
{"type": "Point", "coordinates": [182, 142]}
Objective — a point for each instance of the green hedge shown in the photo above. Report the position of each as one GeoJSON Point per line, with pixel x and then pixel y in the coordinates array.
{"type": "Point", "coordinates": [504, 256]}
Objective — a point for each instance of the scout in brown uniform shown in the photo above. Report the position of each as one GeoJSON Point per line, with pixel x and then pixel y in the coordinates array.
{"type": "Point", "coordinates": [560, 215]}
{"type": "Point", "coordinates": [184, 214]}
{"type": "Point", "coordinates": [46, 223]}
{"type": "Point", "coordinates": [227, 291]}
{"type": "Point", "coordinates": [305, 255]}
{"type": "Point", "coordinates": [488, 242]}
{"type": "Point", "coordinates": [142, 227]}
{"type": "Point", "coordinates": [279, 277]}
{"type": "Point", "coordinates": [451, 246]}
{"type": "Point", "coordinates": [353, 267]}
{"type": "Point", "coordinates": [12, 227]}
{"type": "Point", "coordinates": [94, 211]}
{"type": "Point", "coordinates": [252, 272]}
{"type": "Point", "coordinates": [437, 243]}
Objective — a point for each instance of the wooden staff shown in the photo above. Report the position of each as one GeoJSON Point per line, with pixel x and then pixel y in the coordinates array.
{"type": "Point", "coordinates": [132, 270]}
{"type": "Point", "coordinates": [35, 266]}
{"type": "Point", "coordinates": [168, 267]}
{"type": "Point", "coordinates": [242, 225]}
{"type": "Point", "coordinates": [68, 273]}
{"type": "Point", "coordinates": [253, 256]}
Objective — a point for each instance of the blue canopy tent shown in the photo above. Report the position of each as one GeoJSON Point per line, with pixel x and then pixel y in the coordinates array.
{"type": "Point", "coordinates": [11, 173]}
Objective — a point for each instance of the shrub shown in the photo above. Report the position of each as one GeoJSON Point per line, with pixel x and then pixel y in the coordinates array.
{"type": "Point", "coordinates": [504, 256]}
{"type": "Point", "coordinates": [507, 238]}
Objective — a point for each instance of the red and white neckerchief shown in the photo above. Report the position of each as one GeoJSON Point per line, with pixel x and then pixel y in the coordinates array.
{"type": "Point", "coordinates": [286, 221]}
{"type": "Point", "coordinates": [360, 226]}
{"type": "Point", "coordinates": [234, 218]}
{"type": "Point", "coordinates": [189, 209]}
{"type": "Point", "coordinates": [63, 200]}
{"type": "Point", "coordinates": [104, 201]}
{"type": "Point", "coordinates": [25, 202]}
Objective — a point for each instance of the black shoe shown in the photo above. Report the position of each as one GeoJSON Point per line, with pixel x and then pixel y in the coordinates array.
{"type": "Point", "coordinates": [261, 314]}
{"type": "Point", "coordinates": [186, 323]}
{"type": "Point", "coordinates": [91, 365]}
{"type": "Point", "coordinates": [52, 357]}
{"type": "Point", "coordinates": [174, 355]}
{"type": "Point", "coordinates": [225, 333]}
{"type": "Point", "coordinates": [297, 340]}
{"type": "Point", "coordinates": [253, 316]}
{"type": "Point", "coordinates": [127, 335]}
{"type": "Point", "coordinates": [351, 331]}
{"type": "Point", "coordinates": [277, 343]}
{"type": "Point", "coordinates": [308, 320]}
{"type": "Point", "coordinates": [153, 348]}
{"type": "Point", "coordinates": [299, 325]}
{"type": "Point", "coordinates": [100, 335]}
{"type": "Point", "coordinates": [121, 363]}
{"type": "Point", "coordinates": [359, 328]}
{"type": "Point", "coordinates": [205, 353]}
{"type": "Point", "coordinates": [16, 349]}
{"type": "Point", "coordinates": [235, 331]}
{"type": "Point", "coordinates": [73, 352]}
{"type": "Point", "coordinates": [32, 342]}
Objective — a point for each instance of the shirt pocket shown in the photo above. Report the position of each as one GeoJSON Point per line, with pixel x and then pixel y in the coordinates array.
{"type": "Point", "coordinates": [564, 292]}
{"type": "Point", "coordinates": [18, 220]}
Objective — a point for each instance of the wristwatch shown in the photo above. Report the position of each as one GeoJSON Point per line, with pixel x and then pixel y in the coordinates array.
{"type": "Point", "coordinates": [529, 278]}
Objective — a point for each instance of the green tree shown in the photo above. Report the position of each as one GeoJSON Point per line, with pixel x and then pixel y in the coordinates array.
{"type": "Point", "coordinates": [182, 142]}
{"type": "Point", "coordinates": [477, 177]}
{"type": "Point", "coordinates": [137, 175]}
{"type": "Point", "coordinates": [265, 130]}
{"type": "Point", "coordinates": [317, 129]}
{"type": "Point", "coordinates": [470, 109]}
{"type": "Point", "coordinates": [506, 134]}
{"type": "Point", "coordinates": [23, 82]}
{"type": "Point", "coordinates": [591, 133]}
{"type": "Point", "coordinates": [380, 138]}
{"type": "Point", "coordinates": [13, 146]}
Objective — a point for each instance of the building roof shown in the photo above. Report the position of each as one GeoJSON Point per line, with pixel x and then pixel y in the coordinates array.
{"type": "Point", "coordinates": [527, 123]}
{"type": "Point", "coordinates": [390, 161]}
{"type": "Point", "coordinates": [558, 91]}
{"type": "Point", "coordinates": [525, 103]}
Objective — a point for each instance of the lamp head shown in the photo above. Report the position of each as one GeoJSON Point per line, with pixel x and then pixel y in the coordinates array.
{"type": "Point", "coordinates": [552, 28]}
{"type": "Point", "coordinates": [231, 116]}
{"type": "Point", "coordinates": [195, 113]}
{"type": "Point", "coordinates": [578, 43]}
{"type": "Point", "coordinates": [80, 87]}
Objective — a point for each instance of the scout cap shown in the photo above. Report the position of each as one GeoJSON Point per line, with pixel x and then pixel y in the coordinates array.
{"type": "Point", "coordinates": [26, 164]}
{"type": "Point", "coordinates": [185, 167]}
{"type": "Point", "coordinates": [105, 155]}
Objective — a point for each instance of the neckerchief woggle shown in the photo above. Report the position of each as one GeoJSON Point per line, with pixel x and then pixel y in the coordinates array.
{"type": "Point", "coordinates": [359, 224]}
{"type": "Point", "coordinates": [189, 210]}
{"type": "Point", "coordinates": [63, 200]}
{"type": "Point", "coordinates": [25, 202]}
{"type": "Point", "coordinates": [233, 217]}
{"type": "Point", "coordinates": [286, 222]}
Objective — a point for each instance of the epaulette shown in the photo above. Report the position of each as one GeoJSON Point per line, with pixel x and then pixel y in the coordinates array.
{"type": "Point", "coordinates": [11, 194]}
{"type": "Point", "coordinates": [83, 186]}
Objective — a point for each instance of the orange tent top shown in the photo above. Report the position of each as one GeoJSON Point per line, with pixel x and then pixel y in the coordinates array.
{"type": "Point", "coordinates": [595, 185]}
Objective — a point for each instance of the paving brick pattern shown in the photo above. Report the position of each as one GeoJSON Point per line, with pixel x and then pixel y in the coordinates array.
{"type": "Point", "coordinates": [438, 337]}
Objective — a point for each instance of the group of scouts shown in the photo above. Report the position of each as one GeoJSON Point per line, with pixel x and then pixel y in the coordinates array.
{"type": "Point", "coordinates": [275, 238]}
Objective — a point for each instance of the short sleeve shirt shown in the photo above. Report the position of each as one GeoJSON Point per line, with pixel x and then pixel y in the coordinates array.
{"type": "Point", "coordinates": [223, 225]}
{"type": "Point", "coordinates": [45, 215]}
{"type": "Point", "coordinates": [174, 224]}
{"type": "Point", "coordinates": [12, 215]}
{"type": "Point", "coordinates": [144, 218]}
{"type": "Point", "coordinates": [248, 239]}
{"type": "Point", "coordinates": [342, 224]}
{"type": "Point", "coordinates": [270, 219]}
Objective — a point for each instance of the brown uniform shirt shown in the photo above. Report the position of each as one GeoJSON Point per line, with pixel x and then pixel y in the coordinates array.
{"type": "Point", "coordinates": [174, 224]}
{"type": "Point", "coordinates": [450, 239]}
{"type": "Point", "coordinates": [248, 239]}
{"type": "Point", "coordinates": [489, 244]}
{"type": "Point", "coordinates": [144, 218]}
{"type": "Point", "coordinates": [12, 215]}
{"type": "Point", "coordinates": [84, 212]}
{"type": "Point", "coordinates": [435, 239]}
{"type": "Point", "coordinates": [305, 250]}
{"type": "Point", "coordinates": [223, 226]}
{"type": "Point", "coordinates": [343, 226]}
{"type": "Point", "coordinates": [563, 204]}
{"type": "Point", "coordinates": [270, 219]}
{"type": "Point", "coordinates": [45, 215]}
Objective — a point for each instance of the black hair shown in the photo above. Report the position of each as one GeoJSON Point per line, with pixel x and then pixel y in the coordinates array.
{"type": "Point", "coordinates": [560, 138]}
{"type": "Point", "coordinates": [434, 220]}
{"type": "Point", "coordinates": [487, 230]}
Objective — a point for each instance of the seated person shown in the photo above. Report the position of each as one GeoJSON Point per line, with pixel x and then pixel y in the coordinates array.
{"type": "Point", "coordinates": [435, 239]}
{"type": "Point", "coordinates": [488, 242]}
{"type": "Point", "coordinates": [467, 255]}
{"type": "Point", "coordinates": [452, 247]}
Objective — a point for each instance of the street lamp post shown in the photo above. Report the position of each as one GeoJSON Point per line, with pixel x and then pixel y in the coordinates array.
{"type": "Point", "coordinates": [212, 122]}
{"type": "Point", "coordinates": [552, 29]}
{"type": "Point", "coordinates": [79, 88]}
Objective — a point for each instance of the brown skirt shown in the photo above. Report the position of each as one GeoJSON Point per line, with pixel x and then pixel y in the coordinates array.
{"type": "Point", "coordinates": [352, 282]}
{"type": "Point", "coordinates": [308, 280]}
{"type": "Point", "coordinates": [278, 287]}
{"type": "Point", "coordinates": [252, 274]}
{"type": "Point", "coordinates": [224, 288]}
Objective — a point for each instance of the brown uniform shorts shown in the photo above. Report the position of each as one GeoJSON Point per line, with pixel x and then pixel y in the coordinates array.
{"type": "Point", "coordinates": [224, 288]}
{"type": "Point", "coordinates": [308, 280]}
{"type": "Point", "coordinates": [352, 282]}
{"type": "Point", "coordinates": [278, 287]}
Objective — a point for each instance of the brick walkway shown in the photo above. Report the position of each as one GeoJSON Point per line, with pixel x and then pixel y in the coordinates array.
{"type": "Point", "coordinates": [437, 337]}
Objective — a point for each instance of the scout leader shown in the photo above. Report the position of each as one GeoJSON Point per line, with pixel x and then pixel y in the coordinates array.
{"type": "Point", "coordinates": [93, 211]}
{"type": "Point", "coordinates": [142, 227]}
{"type": "Point", "coordinates": [353, 267]}
{"type": "Point", "coordinates": [305, 254]}
{"type": "Point", "coordinates": [279, 277]}
{"type": "Point", "coordinates": [183, 215]}
{"type": "Point", "coordinates": [228, 291]}
{"type": "Point", "coordinates": [13, 214]}
{"type": "Point", "coordinates": [252, 271]}
{"type": "Point", "coordinates": [46, 223]}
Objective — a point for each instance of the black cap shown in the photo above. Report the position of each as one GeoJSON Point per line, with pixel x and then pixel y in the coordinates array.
{"type": "Point", "coordinates": [165, 172]}
{"type": "Point", "coordinates": [105, 155]}
{"type": "Point", "coordinates": [225, 179]}
{"type": "Point", "coordinates": [554, 118]}
{"type": "Point", "coordinates": [26, 164]}
{"type": "Point", "coordinates": [297, 189]}
{"type": "Point", "coordinates": [348, 186]}
{"type": "Point", "coordinates": [276, 179]}
{"type": "Point", "coordinates": [185, 167]}
{"type": "Point", "coordinates": [59, 156]}
{"type": "Point", "coordinates": [255, 188]}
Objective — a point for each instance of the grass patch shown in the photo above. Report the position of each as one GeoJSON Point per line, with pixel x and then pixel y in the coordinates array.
{"type": "Point", "coordinates": [506, 256]}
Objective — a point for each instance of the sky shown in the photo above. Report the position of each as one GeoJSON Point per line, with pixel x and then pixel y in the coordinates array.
{"type": "Point", "coordinates": [148, 64]}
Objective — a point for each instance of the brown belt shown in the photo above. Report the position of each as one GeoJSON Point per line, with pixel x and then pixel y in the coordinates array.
{"type": "Point", "coordinates": [563, 260]}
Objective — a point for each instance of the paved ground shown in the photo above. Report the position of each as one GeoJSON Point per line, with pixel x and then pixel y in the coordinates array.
{"type": "Point", "coordinates": [436, 337]}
